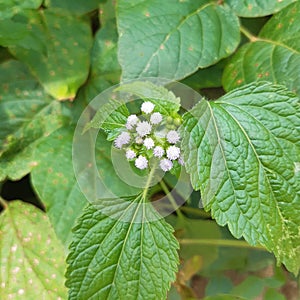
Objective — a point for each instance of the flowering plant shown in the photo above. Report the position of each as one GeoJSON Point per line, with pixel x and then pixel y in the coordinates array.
{"type": "Point", "coordinates": [144, 140]}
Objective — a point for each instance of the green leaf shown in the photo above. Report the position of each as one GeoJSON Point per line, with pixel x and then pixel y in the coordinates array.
{"type": "Point", "coordinates": [18, 32]}
{"type": "Point", "coordinates": [11, 32]}
{"type": "Point", "coordinates": [105, 69]}
{"type": "Point", "coordinates": [27, 116]}
{"type": "Point", "coordinates": [206, 78]}
{"type": "Point", "coordinates": [196, 229]}
{"type": "Point", "coordinates": [78, 7]}
{"type": "Point", "coordinates": [8, 8]}
{"type": "Point", "coordinates": [107, 168]}
{"type": "Point", "coordinates": [165, 101]}
{"type": "Point", "coordinates": [111, 117]}
{"type": "Point", "coordinates": [32, 259]}
{"type": "Point", "coordinates": [241, 152]}
{"type": "Point", "coordinates": [250, 288]}
{"type": "Point", "coordinates": [253, 8]}
{"type": "Point", "coordinates": [175, 39]}
{"type": "Point", "coordinates": [63, 67]}
{"type": "Point", "coordinates": [110, 258]}
{"type": "Point", "coordinates": [54, 181]}
{"type": "Point", "coordinates": [273, 56]}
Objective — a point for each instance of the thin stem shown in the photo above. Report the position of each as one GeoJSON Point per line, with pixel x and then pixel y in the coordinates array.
{"type": "Point", "coordinates": [248, 34]}
{"type": "Point", "coordinates": [149, 179]}
{"type": "Point", "coordinates": [219, 242]}
{"type": "Point", "coordinates": [195, 211]}
{"type": "Point", "coordinates": [171, 199]}
{"type": "Point", "coordinates": [3, 203]}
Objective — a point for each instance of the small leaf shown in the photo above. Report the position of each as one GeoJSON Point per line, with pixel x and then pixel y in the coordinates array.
{"type": "Point", "coordinates": [111, 117]}
{"type": "Point", "coordinates": [32, 259]}
{"type": "Point", "coordinates": [241, 152]}
{"type": "Point", "coordinates": [110, 258]}
{"type": "Point", "coordinates": [273, 56]}
{"type": "Point", "coordinates": [175, 39]}
{"type": "Point", "coordinates": [165, 101]}
{"type": "Point", "coordinates": [27, 115]}
{"type": "Point", "coordinates": [254, 8]}
{"type": "Point", "coordinates": [63, 67]}
{"type": "Point", "coordinates": [54, 181]}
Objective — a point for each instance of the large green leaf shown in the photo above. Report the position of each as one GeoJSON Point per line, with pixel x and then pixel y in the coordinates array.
{"type": "Point", "coordinates": [174, 39]}
{"type": "Point", "coordinates": [63, 67]}
{"type": "Point", "coordinates": [54, 181]}
{"type": "Point", "coordinates": [32, 259]}
{"type": "Point", "coordinates": [8, 8]}
{"type": "Point", "coordinates": [241, 152]}
{"type": "Point", "coordinates": [274, 55]}
{"type": "Point", "coordinates": [27, 115]}
{"type": "Point", "coordinates": [254, 8]}
{"type": "Point", "coordinates": [113, 259]}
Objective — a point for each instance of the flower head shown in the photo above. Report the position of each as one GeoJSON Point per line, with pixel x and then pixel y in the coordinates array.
{"type": "Point", "coordinates": [143, 128]}
{"type": "Point", "coordinates": [166, 164]}
{"type": "Point", "coordinates": [122, 139]}
{"type": "Point", "coordinates": [141, 162]}
{"type": "Point", "coordinates": [173, 152]}
{"type": "Point", "coordinates": [173, 137]}
{"type": "Point", "coordinates": [131, 121]}
{"type": "Point", "coordinates": [130, 154]}
{"type": "Point", "coordinates": [149, 143]}
{"type": "Point", "coordinates": [147, 107]}
{"type": "Point", "coordinates": [158, 151]}
{"type": "Point", "coordinates": [156, 118]}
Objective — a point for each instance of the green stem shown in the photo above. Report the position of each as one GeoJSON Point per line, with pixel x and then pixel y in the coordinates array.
{"type": "Point", "coordinates": [146, 189]}
{"type": "Point", "coordinates": [219, 242]}
{"type": "Point", "coordinates": [196, 211]}
{"type": "Point", "coordinates": [171, 199]}
{"type": "Point", "coordinates": [248, 34]}
{"type": "Point", "coordinates": [3, 203]}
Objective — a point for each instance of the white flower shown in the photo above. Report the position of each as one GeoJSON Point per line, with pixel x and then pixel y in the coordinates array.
{"type": "Point", "coordinates": [156, 118]}
{"type": "Point", "coordinates": [147, 107]}
{"type": "Point", "coordinates": [130, 154]}
{"type": "Point", "coordinates": [148, 143]}
{"type": "Point", "coordinates": [158, 151]}
{"type": "Point", "coordinates": [143, 128]}
{"type": "Point", "coordinates": [173, 137]}
{"type": "Point", "coordinates": [131, 121]}
{"type": "Point", "coordinates": [173, 152]}
{"type": "Point", "coordinates": [141, 162]}
{"type": "Point", "coordinates": [166, 164]}
{"type": "Point", "coordinates": [122, 139]}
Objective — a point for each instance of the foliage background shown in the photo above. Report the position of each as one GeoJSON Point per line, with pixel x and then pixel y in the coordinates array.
{"type": "Point", "coordinates": [58, 55]}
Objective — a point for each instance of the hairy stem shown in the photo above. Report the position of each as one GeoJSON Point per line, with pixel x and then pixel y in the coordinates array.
{"type": "Point", "coordinates": [171, 199]}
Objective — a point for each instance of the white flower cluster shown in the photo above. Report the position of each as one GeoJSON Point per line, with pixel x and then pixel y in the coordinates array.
{"type": "Point", "coordinates": [150, 136]}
